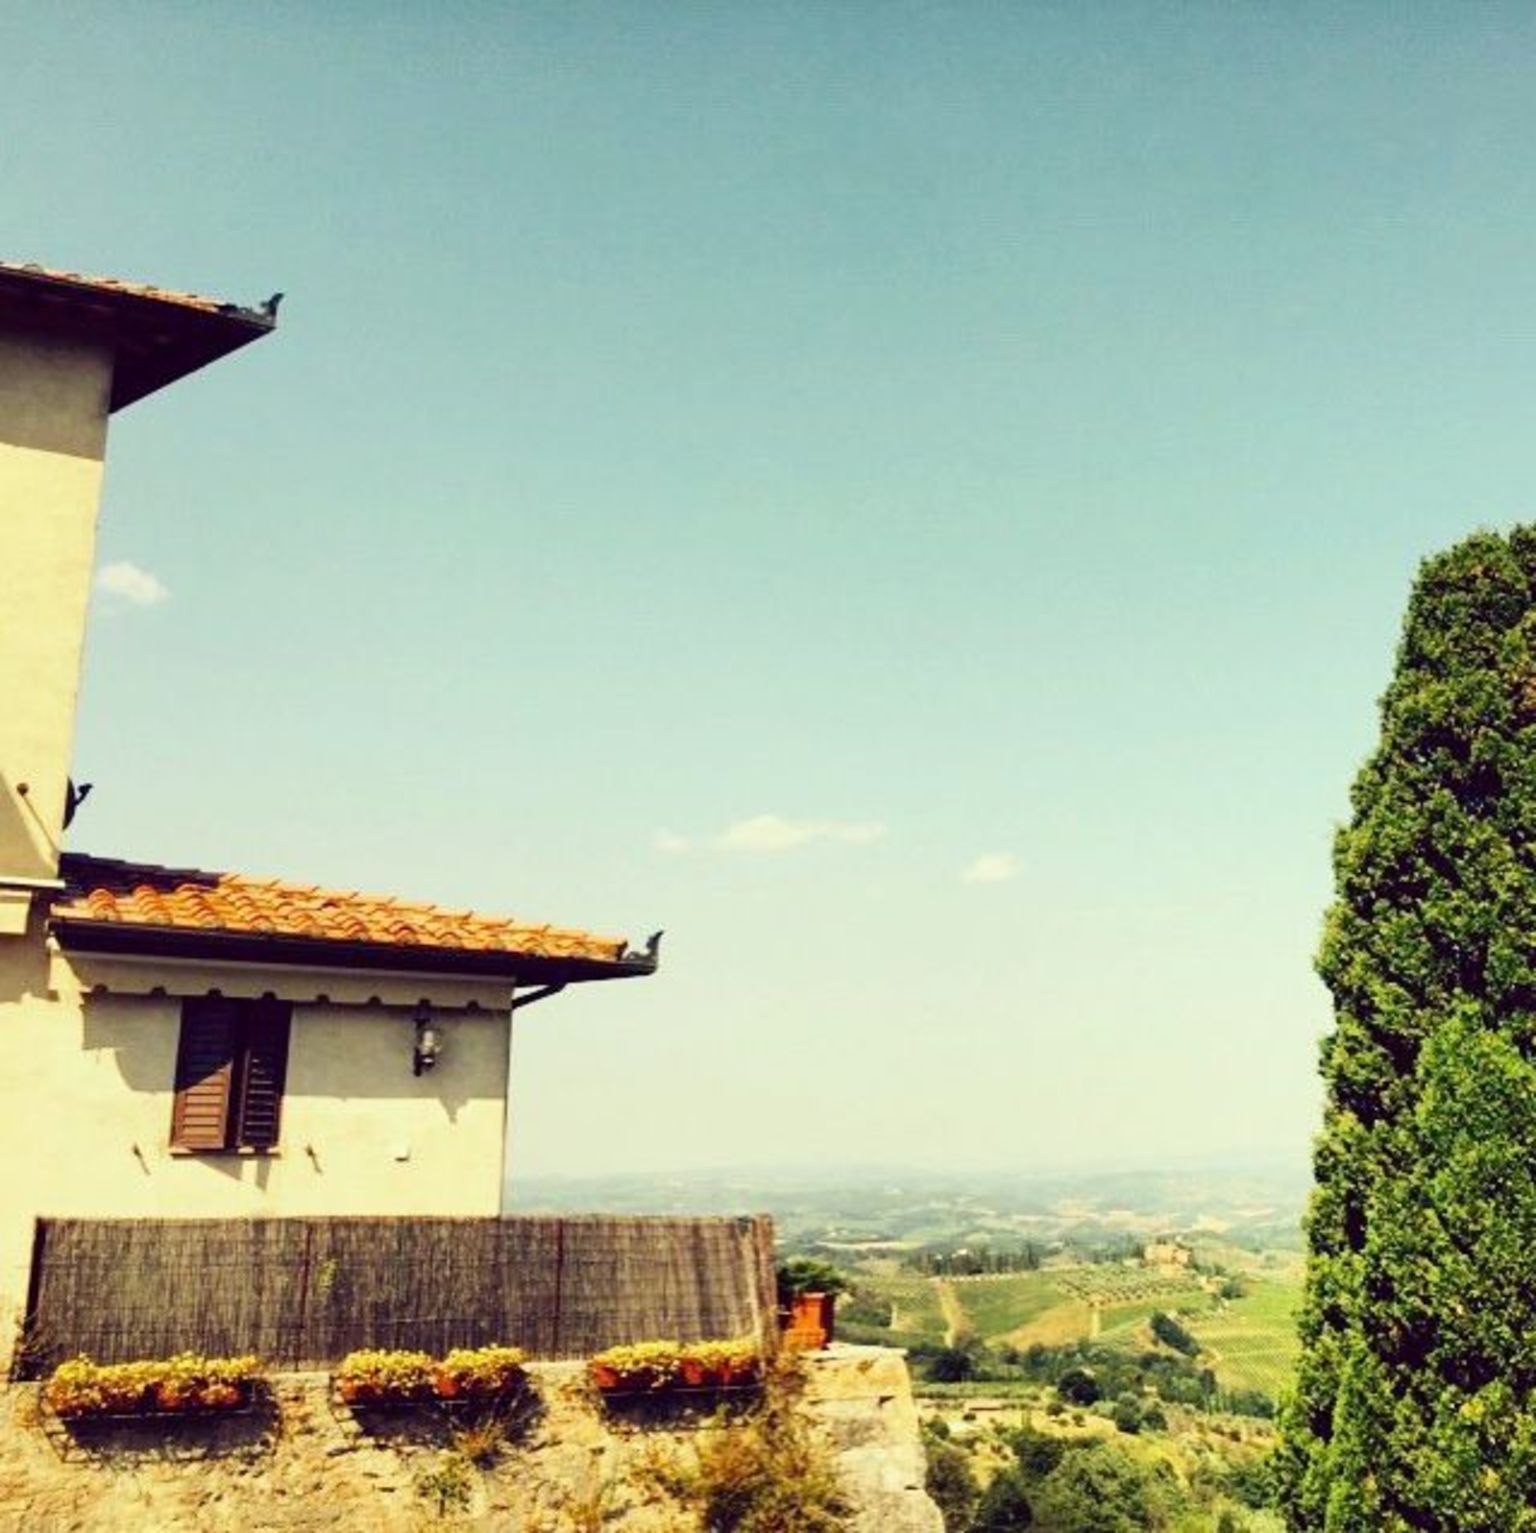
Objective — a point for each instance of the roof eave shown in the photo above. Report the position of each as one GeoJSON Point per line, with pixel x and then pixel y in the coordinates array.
{"type": "Point", "coordinates": [139, 940]}
{"type": "Point", "coordinates": [155, 341]}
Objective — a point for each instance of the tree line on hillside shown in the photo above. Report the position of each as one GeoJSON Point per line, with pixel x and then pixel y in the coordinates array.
{"type": "Point", "coordinates": [946, 1259]}
{"type": "Point", "coordinates": [975, 1261]}
{"type": "Point", "coordinates": [1084, 1485]}
{"type": "Point", "coordinates": [1084, 1373]}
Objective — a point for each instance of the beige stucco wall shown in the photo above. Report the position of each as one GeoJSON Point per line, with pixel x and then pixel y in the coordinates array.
{"type": "Point", "coordinates": [86, 1084]}
{"type": "Point", "coordinates": [53, 434]}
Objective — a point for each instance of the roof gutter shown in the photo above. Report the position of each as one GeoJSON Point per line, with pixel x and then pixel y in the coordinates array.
{"type": "Point", "coordinates": [131, 939]}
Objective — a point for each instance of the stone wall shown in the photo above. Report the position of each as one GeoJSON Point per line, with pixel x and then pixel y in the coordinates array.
{"type": "Point", "coordinates": [307, 1463]}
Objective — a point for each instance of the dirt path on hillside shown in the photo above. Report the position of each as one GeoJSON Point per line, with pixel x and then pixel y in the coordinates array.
{"type": "Point", "coordinates": [954, 1316]}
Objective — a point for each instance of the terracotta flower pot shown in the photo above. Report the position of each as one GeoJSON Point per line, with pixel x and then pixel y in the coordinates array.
{"type": "Point", "coordinates": [175, 1397]}
{"type": "Point", "coordinates": [606, 1377]}
{"type": "Point", "coordinates": [447, 1385]}
{"type": "Point", "coordinates": [810, 1321]}
{"type": "Point", "coordinates": [222, 1397]}
{"type": "Point", "coordinates": [125, 1401]}
{"type": "Point", "coordinates": [693, 1373]}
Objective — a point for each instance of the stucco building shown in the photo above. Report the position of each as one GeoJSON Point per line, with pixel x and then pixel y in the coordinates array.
{"type": "Point", "coordinates": [178, 1042]}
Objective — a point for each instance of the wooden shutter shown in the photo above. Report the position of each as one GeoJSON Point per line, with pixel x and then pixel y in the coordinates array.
{"type": "Point", "coordinates": [265, 1068]}
{"type": "Point", "coordinates": [205, 1070]}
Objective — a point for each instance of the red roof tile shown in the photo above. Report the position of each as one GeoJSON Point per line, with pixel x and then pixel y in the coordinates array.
{"type": "Point", "coordinates": [100, 890]}
{"type": "Point", "coordinates": [74, 279]}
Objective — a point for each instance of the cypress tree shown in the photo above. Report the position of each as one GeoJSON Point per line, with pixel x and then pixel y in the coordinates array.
{"type": "Point", "coordinates": [1415, 1400]}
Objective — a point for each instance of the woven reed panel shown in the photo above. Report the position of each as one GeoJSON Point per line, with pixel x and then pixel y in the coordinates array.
{"type": "Point", "coordinates": [301, 1293]}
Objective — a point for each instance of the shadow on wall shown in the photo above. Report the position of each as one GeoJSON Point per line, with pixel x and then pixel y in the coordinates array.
{"type": "Point", "coordinates": [334, 1053]}
{"type": "Point", "coordinates": [24, 962]}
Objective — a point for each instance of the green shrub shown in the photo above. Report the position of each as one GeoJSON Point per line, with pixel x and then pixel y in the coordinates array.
{"type": "Point", "coordinates": [950, 1482]}
{"type": "Point", "coordinates": [448, 1487]}
{"type": "Point", "coordinates": [1172, 1334]}
{"type": "Point", "coordinates": [807, 1274]}
{"type": "Point", "coordinates": [1004, 1506]}
{"type": "Point", "coordinates": [1101, 1489]}
{"type": "Point", "coordinates": [1414, 1404]}
{"type": "Point", "coordinates": [771, 1474]}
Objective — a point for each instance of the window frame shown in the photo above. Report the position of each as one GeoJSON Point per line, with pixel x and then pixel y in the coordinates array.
{"type": "Point", "coordinates": [231, 1076]}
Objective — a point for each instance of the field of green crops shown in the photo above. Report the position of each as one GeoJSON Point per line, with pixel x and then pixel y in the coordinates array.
{"type": "Point", "coordinates": [994, 1306]}
{"type": "Point", "coordinates": [1253, 1339]}
{"type": "Point", "coordinates": [915, 1308]}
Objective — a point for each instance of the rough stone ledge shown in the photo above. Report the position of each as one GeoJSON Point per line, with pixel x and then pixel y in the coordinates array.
{"type": "Point", "coordinates": [306, 1464]}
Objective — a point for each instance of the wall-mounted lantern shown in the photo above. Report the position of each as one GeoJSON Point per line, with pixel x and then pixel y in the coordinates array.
{"type": "Point", "coordinates": [429, 1042]}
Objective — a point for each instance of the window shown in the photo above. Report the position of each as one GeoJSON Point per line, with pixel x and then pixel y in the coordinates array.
{"type": "Point", "coordinates": [230, 1067]}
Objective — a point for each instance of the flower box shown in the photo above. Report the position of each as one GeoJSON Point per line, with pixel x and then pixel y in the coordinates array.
{"type": "Point", "coordinates": [373, 1376]}
{"type": "Point", "coordinates": [661, 1367]}
{"type": "Point", "coordinates": [464, 1376]}
{"type": "Point", "coordinates": [644, 1367]}
{"type": "Point", "coordinates": [479, 1373]}
{"type": "Point", "coordinates": [185, 1385]}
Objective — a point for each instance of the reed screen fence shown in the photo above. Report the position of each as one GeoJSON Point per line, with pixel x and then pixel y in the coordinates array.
{"type": "Point", "coordinates": [302, 1293]}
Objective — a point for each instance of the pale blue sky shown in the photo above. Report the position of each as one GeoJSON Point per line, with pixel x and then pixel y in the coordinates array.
{"type": "Point", "coordinates": [1011, 426]}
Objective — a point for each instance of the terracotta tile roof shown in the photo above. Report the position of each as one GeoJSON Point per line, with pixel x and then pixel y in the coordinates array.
{"type": "Point", "coordinates": [146, 895]}
{"type": "Point", "coordinates": [156, 335]}
{"type": "Point", "coordinates": [74, 279]}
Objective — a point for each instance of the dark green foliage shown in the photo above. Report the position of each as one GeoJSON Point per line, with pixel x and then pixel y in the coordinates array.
{"type": "Point", "coordinates": [1127, 1414]}
{"type": "Point", "coordinates": [1172, 1334]}
{"type": "Point", "coordinates": [941, 1261]}
{"type": "Point", "coordinates": [808, 1274]}
{"type": "Point", "coordinates": [1037, 1453]}
{"type": "Point", "coordinates": [1116, 1370]}
{"type": "Point", "coordinates": [1079, 1386]}
{"type": "Point", "coordinates": [1247, 1402]}
{"type": "Point", "coordinates": [951, 1365]}
{"type": "Point", "coordinates": [1415, 1404]}
{"type": "Point", "coordinates": [949, 1479]}
{"type": "Point", "coordinates": [1251, 1481]}
{"type": "Point", "coordinates": [863, 1308]}
{"type": "Point", "coordinates": [1004, 1505]}
{"type": "Point", "coordinates": [1101, 1489]}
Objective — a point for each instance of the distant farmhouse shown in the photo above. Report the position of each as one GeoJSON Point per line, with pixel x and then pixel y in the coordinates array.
{"type": "Point", "coordinates": [1168, 1253]}
{"type": "Point", "coordinates": [184, 1043]}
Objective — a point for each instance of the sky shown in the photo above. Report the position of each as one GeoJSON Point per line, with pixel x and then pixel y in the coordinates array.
{"type": "Point", "coordinates": [917, 500]}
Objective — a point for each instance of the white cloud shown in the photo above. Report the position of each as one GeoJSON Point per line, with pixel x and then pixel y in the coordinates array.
{"type": "Point", "coordinates": [992, 868]}
{"type": "Point", "coordinates": [670, 841]}
{"type": "Point", "coordinates": [772, 833]}
{"type": "Point", "coordinates": [131, 584]}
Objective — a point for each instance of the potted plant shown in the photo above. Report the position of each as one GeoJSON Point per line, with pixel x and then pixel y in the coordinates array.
{"type": "Point", "coordinates": [479, 1373]}
{"type": "Point", "coordinates": [126, 1388]}
{"type": "Point", "coordinates": [808, 1290]}
{"type": "Point", "coordinates": [75, 1389]}
{"type": "Point", "coordinates": [698, 1366]}
{"type": "Point", "coordinates": [644, 1365]}
{"type": "Point", "coordinates": [372, 1376]}
{"type": "Point", "coordinates": [183, 1383]}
